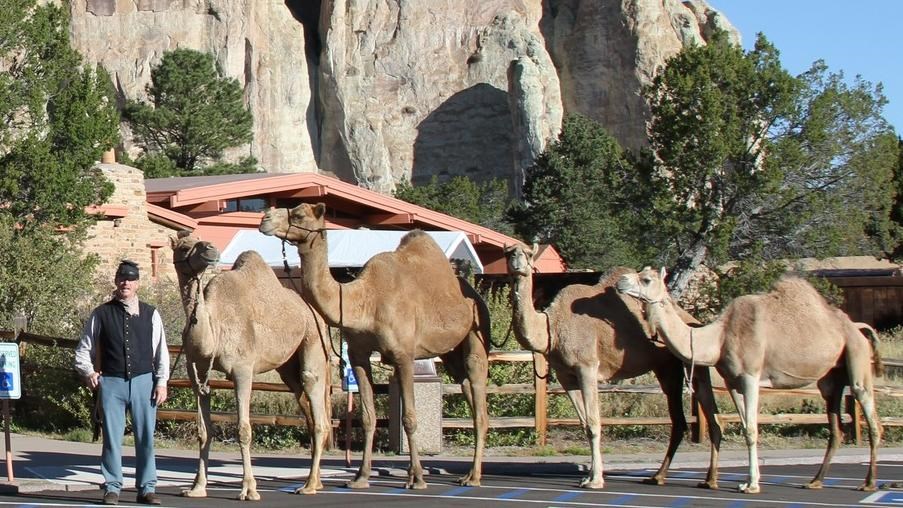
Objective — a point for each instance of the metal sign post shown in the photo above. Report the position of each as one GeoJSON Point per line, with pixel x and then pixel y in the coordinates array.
{"type": "Point", "coordinates": [349, 384]}
{"type": "Point", "coordinates": [10, 388]}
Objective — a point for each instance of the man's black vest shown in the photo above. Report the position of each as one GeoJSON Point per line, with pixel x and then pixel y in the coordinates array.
{"type": "Point", "coordinates": [125, 341]}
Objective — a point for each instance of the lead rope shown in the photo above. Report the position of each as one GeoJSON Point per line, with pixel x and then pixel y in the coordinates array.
{"type": "Point", "coordinates": [688, 380]}
{"type": "Point", "coordinates": [548, 349]}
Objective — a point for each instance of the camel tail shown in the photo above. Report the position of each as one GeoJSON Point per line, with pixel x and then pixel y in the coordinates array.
{"type": "Point", "coordinates": [872, 335]}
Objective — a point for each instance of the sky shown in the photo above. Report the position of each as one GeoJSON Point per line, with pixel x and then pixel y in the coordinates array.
{"type": "Point", "coordinates": [864, 38]}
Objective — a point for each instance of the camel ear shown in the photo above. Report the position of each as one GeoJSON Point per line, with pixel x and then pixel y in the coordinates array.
{"type": "Point", "coordinates": [319, 210]}
{"type": "Point", "coordinates": [534, 250]}
{"type": "Point", "coordinates": [662, 273]}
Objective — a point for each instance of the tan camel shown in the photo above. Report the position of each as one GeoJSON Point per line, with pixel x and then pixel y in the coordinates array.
{"type": "Point", "coordinates": [787, 338]}
{"type": "Point", "coordinates": [590, 334]}
{"type": "Point", "coordinates": [237, 325]}
{"type": "Point", "coordinates": [407, 304]}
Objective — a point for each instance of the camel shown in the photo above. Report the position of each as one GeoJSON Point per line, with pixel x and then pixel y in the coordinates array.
{"type": "Point", "coordinates": [590, 334]}
{"type": "Point", "coordinates": [406, 304]}
{"type": "Point", "coordinates": [237, 325]}
{"type": "Point", "coordinates": [788, 338]}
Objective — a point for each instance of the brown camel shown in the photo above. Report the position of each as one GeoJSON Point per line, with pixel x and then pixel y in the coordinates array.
{"type": "Point", "coordinates": [237, 325]}
{"type": "Point", "coordinates": [407, 305]}
{"type": "Point", "coordinates": [590, 334]}
{"type": "Point", "coordinates": [788, 338]}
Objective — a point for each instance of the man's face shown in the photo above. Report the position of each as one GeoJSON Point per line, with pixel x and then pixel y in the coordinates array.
{"type": "Point", "coordinates": [125, 288]}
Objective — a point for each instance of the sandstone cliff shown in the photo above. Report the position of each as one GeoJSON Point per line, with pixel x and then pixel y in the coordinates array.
{"type": "Point", "coordinates": [382, 91]}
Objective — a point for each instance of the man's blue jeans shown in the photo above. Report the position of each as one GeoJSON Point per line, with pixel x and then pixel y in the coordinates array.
{"type": "Point", "coordinates": [117, 395]}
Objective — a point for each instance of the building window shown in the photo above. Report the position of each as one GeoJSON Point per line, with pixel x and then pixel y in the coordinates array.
{"type": "Point", "coordinates": [245, 205]}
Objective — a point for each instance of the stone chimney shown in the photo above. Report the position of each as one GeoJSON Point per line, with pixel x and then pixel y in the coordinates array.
{"type": "Point", "coordinates": [108, 157]}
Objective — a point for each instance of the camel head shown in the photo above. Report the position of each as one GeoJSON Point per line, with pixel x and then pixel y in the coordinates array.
{"type": "Point", "coordinates": [191, 256]}
{"type": "Point", "coordinates": [294, 225]}
{"type": "Point", "coordinates": [520, 259]}
{"type": "Point", "coordinates": [647, 285]}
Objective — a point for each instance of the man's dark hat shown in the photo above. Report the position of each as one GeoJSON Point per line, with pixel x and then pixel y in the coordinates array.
{"type": "Point", "coordinates": [128, 270]}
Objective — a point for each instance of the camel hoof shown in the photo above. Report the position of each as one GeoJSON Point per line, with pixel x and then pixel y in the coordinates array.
{"type": "Point", "coordinates": [814, 485]}
{"type": "Point", "coordinates": [707, 485]}
{"type": "Point", "coordinates": [306, 490]}
{"type": "Point", "coordinates": [653, 480]}
{"type": "Point", "coordinates": [593, 484]}
{"type": "Point", "coordinates": [745, 488]}
{"type": "Point", "coordinates": [194, 492]}
{"type": "Point", "coordinates": [867, 487]}
{"type": "Point", "coordinates": [358, 483]}
{"type": "Point", "coordinates": [468, 482]}
{"type": "Point", "coordinates": [416, 484]}
{"type": "Point", "coordinates": [249, 495]}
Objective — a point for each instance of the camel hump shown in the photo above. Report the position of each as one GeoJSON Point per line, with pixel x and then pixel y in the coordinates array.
{"type": "Point", "coordinates": [418, 243]}
{"type": "Point", "coordinates": [250, 260]}
{"type": "Point", "coordinates": [611, 277]}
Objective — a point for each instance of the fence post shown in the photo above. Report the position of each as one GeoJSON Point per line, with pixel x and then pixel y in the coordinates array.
{"type": "Point", "coordinates": [541, 400]}
{"type": "Point", "coordinates": [855, 413]}
{"type": "Point", "coordinates": [699, 427]}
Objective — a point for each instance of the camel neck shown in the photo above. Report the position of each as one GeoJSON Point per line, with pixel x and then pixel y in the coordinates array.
{"type": "Point", "coordinates": [531, 328]}
{"type": "Point", "coordinates": [697, 345]}
{"type": "Point", "coordinates": [189, 290]}
{"type": "Point", "coordinates": [325, 294]}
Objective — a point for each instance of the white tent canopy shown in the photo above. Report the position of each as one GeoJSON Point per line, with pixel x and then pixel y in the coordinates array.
{"type": "Point", "coordinates": [347, 247]}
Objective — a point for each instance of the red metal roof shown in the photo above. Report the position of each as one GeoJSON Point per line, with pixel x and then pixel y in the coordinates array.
{"type": "Point", "coordinates": [202, 199]}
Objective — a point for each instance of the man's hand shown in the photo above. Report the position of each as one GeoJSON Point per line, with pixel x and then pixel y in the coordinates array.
{"type": "Point", "coordinates": [93, 380]}
{"type": "Point", "coordinates": [159, 396]}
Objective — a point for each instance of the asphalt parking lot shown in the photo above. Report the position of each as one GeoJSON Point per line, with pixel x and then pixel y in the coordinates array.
{"type": "Point", "coordinates": [55, 473]}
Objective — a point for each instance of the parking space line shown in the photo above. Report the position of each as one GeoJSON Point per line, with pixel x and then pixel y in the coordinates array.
{"type": "Point", "coordinates": [513, 493]}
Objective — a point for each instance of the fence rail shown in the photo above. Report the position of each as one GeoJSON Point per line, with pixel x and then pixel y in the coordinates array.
{"type": "Point", "coordinates": [539, 388]}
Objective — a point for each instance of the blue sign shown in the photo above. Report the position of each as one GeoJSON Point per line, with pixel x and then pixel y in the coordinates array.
{"type": "Point", "coordinates": [10, 385]}
{"type": "Point", "coordinates": [349, 382]}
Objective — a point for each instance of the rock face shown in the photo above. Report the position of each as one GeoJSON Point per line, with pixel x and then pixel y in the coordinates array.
{"type": "Point", "coordinates": [257, 42]}
{"type": "Point", "coordinates": [383, 91]}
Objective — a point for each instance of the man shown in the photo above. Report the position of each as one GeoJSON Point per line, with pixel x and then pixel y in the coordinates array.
{"type": "Point", "coordinates": [122, 353]}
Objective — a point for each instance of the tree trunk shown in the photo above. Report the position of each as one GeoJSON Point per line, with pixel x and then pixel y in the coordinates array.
{"type": "Point", "coordinates": [684, 268]}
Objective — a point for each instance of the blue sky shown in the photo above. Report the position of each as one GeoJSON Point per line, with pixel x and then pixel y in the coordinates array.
{"type": "Point", "coordinates": [864, 38]}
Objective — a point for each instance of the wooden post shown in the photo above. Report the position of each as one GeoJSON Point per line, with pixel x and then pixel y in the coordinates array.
{"type": "Point", "coordinates": [855, 412]}
{"type": "Point", "coordinates": [541, 398]}
{"type": "Point", "coordinates": [699, 429]}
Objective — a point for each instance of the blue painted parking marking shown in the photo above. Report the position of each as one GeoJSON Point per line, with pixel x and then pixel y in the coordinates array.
{"type": "Point", "coordinates": [456, 491]}
{"type": "Point", "coordinates": [680, 502]}
{"type": "Point", "coordinates": [625, 499]}
{"type": "Point", "coordinates": [891, 498]}
{"type": "Point", "coordinates": [567, 496]}
{"type": "Point", "coordinates": [513, 493]}
{"type": "Point", "coordinates": [737, 504]}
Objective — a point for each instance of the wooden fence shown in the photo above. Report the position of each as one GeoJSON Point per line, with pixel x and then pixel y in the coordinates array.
{"type": "Point", "coordinates": [539, 388]}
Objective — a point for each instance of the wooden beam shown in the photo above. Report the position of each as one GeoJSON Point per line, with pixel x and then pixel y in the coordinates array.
{"type": "Point", "coordinates": [387, 219]}
{"type": "Point", "coordinates": [313, 191]}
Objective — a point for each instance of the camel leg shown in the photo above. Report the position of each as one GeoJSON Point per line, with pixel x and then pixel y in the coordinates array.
{"type": "Point", "coordinates": [404, 375]}
{"type": "Point", "coordinates": [671, 378]}
{"type": "Point", "coordinates": [831, 388]}
{"type": "Point", "coordinates": [313, 376]}
{"type": "Point", "coordinates": [749, 415]}
{"type": "Point", "coordinates": [859, 366]}
{"type": "Point", "coordinates": [588, 378]}
{"type": "Point", "coordinates": [702, 387]}
{"type": "Point", "coordinates": [204, 424]}
{"type": "Point", "coordinates": [242, 381]}
{"type": "Point", "coordinates": [364, 374]}
{"type": "Point", "coordinates": [476, 366]}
